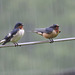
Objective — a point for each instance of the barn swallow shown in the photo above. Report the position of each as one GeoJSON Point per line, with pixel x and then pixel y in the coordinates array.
{"type": "Point", "coordinates": [15, 35]}
{"type": "Point", "coordinates": [49, 33]}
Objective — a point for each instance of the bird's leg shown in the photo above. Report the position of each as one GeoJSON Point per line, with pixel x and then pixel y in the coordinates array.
{"type": "Point", "coordinates": [51, 40]}
{"type": "Point", "coordinates": [16, 44]}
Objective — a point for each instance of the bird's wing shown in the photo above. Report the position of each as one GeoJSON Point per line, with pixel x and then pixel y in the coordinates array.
{"type": "Point", "coordinates": [42, 30]}
{"type": "Point", "coordinates": [11, 34]}
{"type": "Point", "coordinates": [49, 30]}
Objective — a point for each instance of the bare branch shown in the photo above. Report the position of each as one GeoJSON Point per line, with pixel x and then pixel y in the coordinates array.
{"type": "Point", "coordinates": [38, 42]}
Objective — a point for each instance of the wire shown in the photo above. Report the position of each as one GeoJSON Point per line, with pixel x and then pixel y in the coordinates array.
{"type": "Point", "coordinates": [38, 42]}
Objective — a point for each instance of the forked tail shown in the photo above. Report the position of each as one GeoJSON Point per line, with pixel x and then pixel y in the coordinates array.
{"type": "Point", "coordinates": [2, 41]}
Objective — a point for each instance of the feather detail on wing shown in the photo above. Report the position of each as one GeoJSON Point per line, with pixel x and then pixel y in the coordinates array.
{"type": "Point", "coordinates": [49, 30]}
{"type": "Point", "coordinates": [40, 31]}
{"type": "Point", "coordinates": [9, 36]}
{"type": "Point", "coordinates": [43, 30]}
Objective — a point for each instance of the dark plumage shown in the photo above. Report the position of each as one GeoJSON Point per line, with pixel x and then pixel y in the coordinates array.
{"type": "Point", "coordinates": [49, 32]}
{"type": "Point", "coordinates": [14, 35]}
{"type": "Point", "coordinates": [10, 35]}
{"type": "Point", "coordinates": [18, 24]}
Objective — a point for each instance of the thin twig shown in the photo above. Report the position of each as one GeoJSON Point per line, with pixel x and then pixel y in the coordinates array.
{"type": "Point", "coordinates": [38, 42]}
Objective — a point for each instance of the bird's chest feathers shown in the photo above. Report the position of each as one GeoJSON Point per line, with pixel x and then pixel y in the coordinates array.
{"type": "Point", "coordinates": [51, 35]}
{"type": "Point", "coordinates": [18, 35]}
{"type": "Point", "coordinates": [55, 33]}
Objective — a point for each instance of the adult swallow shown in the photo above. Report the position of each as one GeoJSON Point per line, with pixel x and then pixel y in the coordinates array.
{"type": "Point", "coordinates": [15, 35]}
{"type": "Point", "coordinates": [49, 33]}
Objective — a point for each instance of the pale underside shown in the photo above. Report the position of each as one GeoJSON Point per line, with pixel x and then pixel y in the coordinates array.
{"type": "Point", "coordinates": [18, 36]}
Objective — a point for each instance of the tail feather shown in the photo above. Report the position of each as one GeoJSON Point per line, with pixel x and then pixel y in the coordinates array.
{"type": "Point", "coordinates": [2, 41]}
{"type": "Point", "coordinates": [35, 31]}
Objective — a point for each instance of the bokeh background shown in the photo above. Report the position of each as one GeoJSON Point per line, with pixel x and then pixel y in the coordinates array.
{"type": "Point", "coordinates": [41, 59]}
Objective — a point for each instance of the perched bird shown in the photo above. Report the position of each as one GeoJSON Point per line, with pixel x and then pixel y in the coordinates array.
{"type": "Point", "coordinates": [15, 35]}
{"type": "Point", "coordinates": [49, 32]}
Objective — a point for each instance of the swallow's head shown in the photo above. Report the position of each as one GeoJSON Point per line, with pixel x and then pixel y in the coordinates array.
{"type": "Point", "coordinates": [19, 25]}
{"type": "Point", "coordinates": [55, 26]}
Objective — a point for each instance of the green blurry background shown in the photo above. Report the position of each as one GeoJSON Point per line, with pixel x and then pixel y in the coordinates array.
{"type": "Point", "coordinates": [41, 59]}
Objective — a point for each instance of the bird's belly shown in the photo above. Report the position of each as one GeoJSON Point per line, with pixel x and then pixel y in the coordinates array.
{"type": "Point", "coordinates": [51, 35]}
{"type": "Point", "coordinates": [18, 36]}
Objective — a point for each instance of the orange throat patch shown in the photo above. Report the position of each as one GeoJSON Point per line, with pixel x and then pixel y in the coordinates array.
{"type": "Point", "coordinates": [21, 27]}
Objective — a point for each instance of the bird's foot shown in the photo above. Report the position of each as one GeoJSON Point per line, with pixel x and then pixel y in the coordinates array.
{"type": "Point", "coordinates": [51, 40]}
{"type": "Point", "coordinates": [16, 44]}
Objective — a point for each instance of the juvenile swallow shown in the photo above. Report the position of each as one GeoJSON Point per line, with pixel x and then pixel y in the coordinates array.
{"type": "Point", "coordinates": [15, 35]}
{"type": "Point", "coordinates": [49, 33]}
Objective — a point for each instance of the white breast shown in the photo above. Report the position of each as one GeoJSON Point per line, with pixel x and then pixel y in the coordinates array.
{"type": "Point", "coordinates": [18, 36]}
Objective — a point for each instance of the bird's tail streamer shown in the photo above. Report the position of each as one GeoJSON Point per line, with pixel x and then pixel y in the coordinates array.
{"type": "Point", "coordinates": [2, 41]}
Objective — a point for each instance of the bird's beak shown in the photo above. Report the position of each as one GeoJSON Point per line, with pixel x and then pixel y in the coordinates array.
{"type": "Point", "coordinates": [22, 25]}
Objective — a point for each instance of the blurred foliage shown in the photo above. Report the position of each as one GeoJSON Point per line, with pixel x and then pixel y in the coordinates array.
{"type": "Point", "coordinates": [37, 59]}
